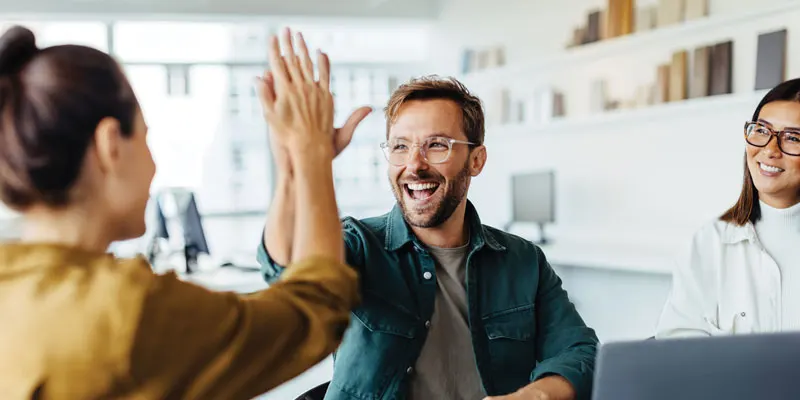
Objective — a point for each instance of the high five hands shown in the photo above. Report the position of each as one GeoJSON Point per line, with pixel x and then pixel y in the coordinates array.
{"type": "Point", "coordinates": [297, 106]}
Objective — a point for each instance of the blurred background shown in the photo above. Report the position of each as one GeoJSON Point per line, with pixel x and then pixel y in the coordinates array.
{"type": "Point", "coordinates": [614, 127]}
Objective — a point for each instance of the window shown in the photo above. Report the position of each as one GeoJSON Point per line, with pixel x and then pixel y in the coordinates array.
{"type": "Point", "coordinates": [50, 33]}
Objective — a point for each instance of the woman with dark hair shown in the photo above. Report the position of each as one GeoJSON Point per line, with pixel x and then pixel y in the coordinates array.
{"type": "Point", "coordinates": [78, 323]}
{"type": "Point", "coordinates": [742, 272]}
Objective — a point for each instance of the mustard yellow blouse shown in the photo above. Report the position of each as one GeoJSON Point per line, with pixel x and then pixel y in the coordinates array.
{"type": "Point", "coordinates": [82, 325]}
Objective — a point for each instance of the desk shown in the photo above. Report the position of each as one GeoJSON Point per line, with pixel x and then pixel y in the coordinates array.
{"type": "Point", "coordinates": [648, 259]}
{"type": "Point", "coordinates": [618, 288]}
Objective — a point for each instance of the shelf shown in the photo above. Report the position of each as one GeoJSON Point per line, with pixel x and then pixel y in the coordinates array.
{"type": "Point", "coordinates": [578, 56]}
{"type": "Point", "coordinates": [650, 113]}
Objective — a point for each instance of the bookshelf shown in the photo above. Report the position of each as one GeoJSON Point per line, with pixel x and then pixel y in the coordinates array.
{"type": "Point", "coordinates": [684, 34]}
{"type": "Point", "coordinates": [631, 79]}
{"type": "Point", "coordinates": [625, 117]}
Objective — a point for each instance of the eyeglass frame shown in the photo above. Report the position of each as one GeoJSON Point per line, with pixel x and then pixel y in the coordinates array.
{"type": "Point", "coordinates": [777, 134]}
{"type": "Point", "coordinates": [423, 153]}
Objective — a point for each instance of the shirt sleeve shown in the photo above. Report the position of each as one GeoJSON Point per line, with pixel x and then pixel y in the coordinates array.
{"type": "Point", "coordinates": [565, 345]}
{"type": "Point", "coordinates": [354, 252]}
{"type": "Point", "coordinates": [686, 311]}
{"type": "Point", "coordinates": [192, 343]}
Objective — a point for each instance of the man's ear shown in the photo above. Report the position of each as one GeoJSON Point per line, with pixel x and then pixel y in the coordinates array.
{"type": "Point", "coordinates": [107, 141]}
{"type": "Point", "coordinates": [477, 160]}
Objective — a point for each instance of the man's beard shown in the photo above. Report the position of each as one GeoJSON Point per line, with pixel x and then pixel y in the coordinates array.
{"type": "Point", "coordinates": [454, 192]}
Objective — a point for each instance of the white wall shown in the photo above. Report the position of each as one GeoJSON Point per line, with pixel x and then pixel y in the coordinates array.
{"type": "Point", "coordinates": [646, 178]}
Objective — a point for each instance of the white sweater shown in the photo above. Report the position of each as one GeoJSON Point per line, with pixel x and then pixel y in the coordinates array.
{"type": "Point", "coordinates": [778, 230]}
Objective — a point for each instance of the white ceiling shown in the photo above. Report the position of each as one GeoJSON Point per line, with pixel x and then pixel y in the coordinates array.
{"type": "Point", "coordinates": [416, 9]}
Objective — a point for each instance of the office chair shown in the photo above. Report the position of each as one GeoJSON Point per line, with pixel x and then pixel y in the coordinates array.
{"type": "Point", "coordinates": [317, 393]}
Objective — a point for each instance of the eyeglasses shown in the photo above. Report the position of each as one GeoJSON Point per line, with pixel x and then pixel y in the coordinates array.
{"type": "Point", "coordinates": [759, 135]}
{"type": "Point", "coordinates": [434, 150]}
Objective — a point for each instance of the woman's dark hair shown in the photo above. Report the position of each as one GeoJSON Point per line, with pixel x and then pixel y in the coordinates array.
{"type": "Point", "coordinates": [747, 208]}
{"type": "Point", "coordinates": [51, 101]}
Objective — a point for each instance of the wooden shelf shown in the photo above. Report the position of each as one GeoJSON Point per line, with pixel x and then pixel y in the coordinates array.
{"type": "Point", "coordinates": [661, 111]}
{"type": "Point", "coordinates": [577, 56]}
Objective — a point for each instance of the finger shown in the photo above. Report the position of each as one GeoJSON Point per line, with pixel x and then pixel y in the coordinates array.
{"type": "Point", "coordinates": [277, 66]}
{"type": "Point", "coordinates": [289, 55]}
{"type": "Point", "coordinates": [324, 65]}
{"type": "Point", "coordinates": [307, 64]}
{"type": "Point", "coordinates": [266, 90]}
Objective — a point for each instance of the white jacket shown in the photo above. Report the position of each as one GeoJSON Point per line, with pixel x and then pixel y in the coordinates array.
{"type": "Point", "coordinates": [724, 283]}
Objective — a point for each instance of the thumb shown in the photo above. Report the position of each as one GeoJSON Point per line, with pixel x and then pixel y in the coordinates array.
{"type": "Point", "coordinates": [345, 133]}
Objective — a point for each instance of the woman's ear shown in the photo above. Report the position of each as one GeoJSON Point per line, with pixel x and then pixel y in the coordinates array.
{"type": "Point", "coordinates": [107, 141]}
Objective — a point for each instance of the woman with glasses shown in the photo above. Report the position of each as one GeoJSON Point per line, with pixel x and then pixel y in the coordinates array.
{"type": "Point", "coordinates": [742, 272]}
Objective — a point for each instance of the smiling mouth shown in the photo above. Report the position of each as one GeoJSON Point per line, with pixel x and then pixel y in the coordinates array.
{"type": "Point", "coordinates": [769, 168]}
{"type": "Point", "coordinates": [421, 191]}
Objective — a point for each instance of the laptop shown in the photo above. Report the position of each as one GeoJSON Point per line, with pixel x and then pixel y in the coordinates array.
{"type": "Point", "coordinates": [763, 366]}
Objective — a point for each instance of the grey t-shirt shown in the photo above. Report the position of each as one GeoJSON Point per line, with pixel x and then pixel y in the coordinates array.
{"type": "Point", "coordinates": [446, 367]}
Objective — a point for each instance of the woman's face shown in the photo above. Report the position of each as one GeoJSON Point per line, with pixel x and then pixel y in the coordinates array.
{"type": "Point", "coordinates": [128, 190]}
{"type": "Point", "coordinates": [776, 175]}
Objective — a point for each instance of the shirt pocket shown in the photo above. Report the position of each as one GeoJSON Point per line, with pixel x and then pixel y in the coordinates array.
{"type": "Point", "coordinates": [376, 348]}
{"type": "Point", "coordinates": [511, 338]}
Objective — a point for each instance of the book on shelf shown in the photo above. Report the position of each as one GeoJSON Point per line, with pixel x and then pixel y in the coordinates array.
{"type": "Point", "coordinates": [670, 12]}
{"type": "Point", "coordinates": [498, 56]}
{"type": "Point", "coordinates": [721, 69]}
{"type": "Point", "coordinates": [620, 17]}
{"type": "Point", "coordinates": [677, 76]}
{"type": "Point", "coordinates": [646, 18]}
{"type": "Point", "coordinates": [771, 59]}
{"type": "Point", "coordinates": [598, 96]}
{"type": "Point", "coordinates": [603, 24]}
{"type": "Point", "coordinates": [662, 84]}
{"type": "Point", "coordinates": [559, 107]}
{"type": "Point", "coordinates": [466, 61]}
{"type": "Point", "coordinates": [695, 9]}
{"type": "Point", "coordinates": [593, 27]}
{"type": "Point", "coordinates": [701, 68]}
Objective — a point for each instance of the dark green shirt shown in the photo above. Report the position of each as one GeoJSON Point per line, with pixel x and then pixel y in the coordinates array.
{"type": "Point", "coordinates": [522, 323]}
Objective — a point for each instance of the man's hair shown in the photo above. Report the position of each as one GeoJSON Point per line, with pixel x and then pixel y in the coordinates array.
{"type": "Point", "coordinates": [433, 87]}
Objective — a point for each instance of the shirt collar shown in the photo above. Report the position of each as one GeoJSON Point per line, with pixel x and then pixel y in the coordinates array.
{"type": "Point", "coordinates": [738, 233]}
{"type": "Point", "coordinates": [398, 234]}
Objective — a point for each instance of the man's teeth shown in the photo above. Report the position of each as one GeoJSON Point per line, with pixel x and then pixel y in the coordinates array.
{"type": "Point", "coordinates": [769, 168]}
{"type": "Point", "coordinates": [422, 186]}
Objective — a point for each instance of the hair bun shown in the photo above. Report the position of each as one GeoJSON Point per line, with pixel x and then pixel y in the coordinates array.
{"type": "Point", "coordinates": [17, 47]}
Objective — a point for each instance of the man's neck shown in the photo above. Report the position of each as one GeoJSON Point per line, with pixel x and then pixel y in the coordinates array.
{"type": "Point", "coordinates": [452, 233]}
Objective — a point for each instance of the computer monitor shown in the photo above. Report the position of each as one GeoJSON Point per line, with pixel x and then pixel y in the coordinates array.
{"type": "Point", "coordinates": [533, 199]}
{"type": "Point", "coordinates": [194, 237]}
{"type": "Point", "coordinates": [156, 228]}
{"type": "Point", "coordinates": [175, 216]}
{"type": "Point", "coordinates": [755, 366]}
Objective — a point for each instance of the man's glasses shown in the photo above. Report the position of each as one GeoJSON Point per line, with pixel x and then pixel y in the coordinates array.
{"type": "Point", "coordinates": [759, 135]}
{"type": "Point", "coordinates": [434, 150]}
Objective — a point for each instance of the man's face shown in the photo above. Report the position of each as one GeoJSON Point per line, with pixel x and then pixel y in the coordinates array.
{"type": "Point", "coordinates": [429, 192]}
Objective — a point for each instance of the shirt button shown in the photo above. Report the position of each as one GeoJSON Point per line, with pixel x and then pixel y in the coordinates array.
{"type": "Point", "coordinates": [409, 370]}
{"type": "Point", "coordinates": [427, 324]}
{"type": "Point", "coordinates": [427, 275]}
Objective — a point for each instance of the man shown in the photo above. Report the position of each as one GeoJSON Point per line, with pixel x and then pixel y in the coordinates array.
{"type": "Point", "coordinates": [452, 309]}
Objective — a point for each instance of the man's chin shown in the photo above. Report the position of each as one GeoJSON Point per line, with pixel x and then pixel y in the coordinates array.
{"type": "Point", "coordinates": [421, 217]}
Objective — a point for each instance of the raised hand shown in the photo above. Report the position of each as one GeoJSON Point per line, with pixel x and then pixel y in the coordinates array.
{"type": "Point", "coordinates": [341, 137]}
{"type": "Point", "coordinates": [297, 106]}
